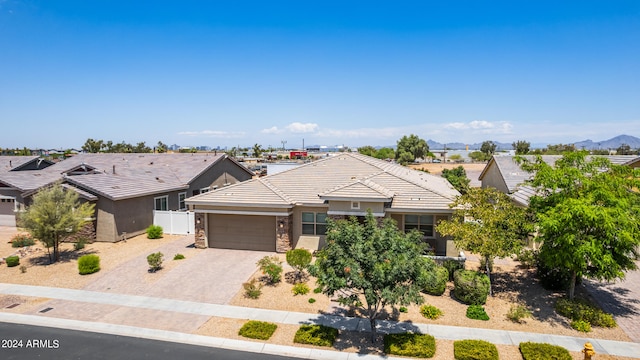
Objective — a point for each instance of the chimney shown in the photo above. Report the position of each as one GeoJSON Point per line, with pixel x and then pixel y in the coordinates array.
{"type": "Point", "coordinates": [114, 169]}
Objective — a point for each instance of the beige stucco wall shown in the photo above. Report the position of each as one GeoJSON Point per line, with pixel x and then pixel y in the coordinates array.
{"type": "Point", "coordinates": [493, 178]}
{"type": "Point", "coordinates": [345, 206]}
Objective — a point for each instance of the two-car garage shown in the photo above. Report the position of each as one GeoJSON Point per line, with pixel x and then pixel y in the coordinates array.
{"type": "Point", "coordinates": [243, 232]}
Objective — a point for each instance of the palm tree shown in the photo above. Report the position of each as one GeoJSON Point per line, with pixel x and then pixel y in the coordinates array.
{"type": "Point", "coordinates": [257, 150]}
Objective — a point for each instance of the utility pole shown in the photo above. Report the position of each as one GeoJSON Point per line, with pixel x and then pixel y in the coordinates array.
{"type": "Point", "coordinates": [284, 142]}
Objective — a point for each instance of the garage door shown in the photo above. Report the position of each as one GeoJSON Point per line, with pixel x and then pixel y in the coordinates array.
{"type": "Point", "coordinates": [7, 216]}
{"type": "Point", "coordinates": [243, 232]}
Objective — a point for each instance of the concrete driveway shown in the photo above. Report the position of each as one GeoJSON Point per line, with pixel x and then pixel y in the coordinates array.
{"type": "Point", "coordinates": [206, 275]}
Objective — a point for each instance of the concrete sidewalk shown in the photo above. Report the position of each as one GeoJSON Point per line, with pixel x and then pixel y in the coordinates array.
{"type": "Point", "coordinates": [616, 348]}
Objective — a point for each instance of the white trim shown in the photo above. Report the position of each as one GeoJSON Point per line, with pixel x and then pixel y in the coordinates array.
{"type": "Point", "coordinates": [204, 190]}
{"type": "Point", "coordinates": [354, 198]}
{"type": "Point", "coordinates": [195, 202]}
{"type": "Point", "coordinates": [206, 232]}
{"type": "Point", "coordinates": [183, 201]}
{"type": "Point", "coordinates": [160, 197]}
{"type": "Point", "coordinates": [355, 205]}
{"type": "Point", "coordinates": [419, 211]}
{"type": "Point", "coordinates": [240, 212]}
{"type": "Point", "coordinates": [354, 213]}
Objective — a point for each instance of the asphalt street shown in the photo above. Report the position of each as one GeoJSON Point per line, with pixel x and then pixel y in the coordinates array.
{"type": "Point", "coordinates": [24, 342]}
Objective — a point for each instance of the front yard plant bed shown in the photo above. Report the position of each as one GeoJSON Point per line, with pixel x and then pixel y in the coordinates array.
{"type": "Point", "coordinates": [542, 351]}
{"type": "Point", "coordinates": [260, 330]}
{"type": "Point", "coordinates": [582, 310]}
{"type": "Point", "coordinates": [414, 345]}
{"type": "Point", "coordinates": [474, 350]}
{"type": "Point", "coordinates": [319, 335]}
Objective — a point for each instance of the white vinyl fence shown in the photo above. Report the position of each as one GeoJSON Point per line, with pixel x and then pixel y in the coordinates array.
{"type": "Point", "coordinates": [175, 222]}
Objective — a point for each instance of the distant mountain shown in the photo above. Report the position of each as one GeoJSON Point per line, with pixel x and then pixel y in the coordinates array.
{"type": "Point", "coordinates": [434, 145]}
{"type": "Point", "coordinates": [612, 143]}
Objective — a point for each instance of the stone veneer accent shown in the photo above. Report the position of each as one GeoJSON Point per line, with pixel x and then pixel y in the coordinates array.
{"type": "Point", "coordinates": [200, 233]}
{"type": "Point", "coordinates": [284, 224]}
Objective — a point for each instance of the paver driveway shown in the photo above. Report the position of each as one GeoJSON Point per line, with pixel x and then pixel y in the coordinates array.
{"type": "Point", "coordinates": [208, 275]}
{"type": "Point", "coordinates": [622, 299]}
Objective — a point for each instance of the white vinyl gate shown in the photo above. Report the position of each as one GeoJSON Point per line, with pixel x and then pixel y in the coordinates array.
{"type": "Point", "coordinates": [175, 222]}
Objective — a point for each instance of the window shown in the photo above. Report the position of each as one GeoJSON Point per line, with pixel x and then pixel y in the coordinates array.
{"type": "Point", "coordinates": [314, 223]}
{"type": "Point", "coordinates": [204, 190]}
{"type": "Point", "coordinates": [422, 223]}
{"type": "Point", "coordinates": [161, 203]}
{"type": "Point", "coordinates": [355, 205]}
{"type": "Point", "coordinates": [181, 197]}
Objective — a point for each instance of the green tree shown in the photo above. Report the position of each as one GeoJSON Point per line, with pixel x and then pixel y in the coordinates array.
{"type": "Point", "coordinates": [93, 146]}
{"type": "Point", "coordinates": [487, 222]}
{"type": "Point", "coordinates": [374, 263]}
{"type": "Point", "coordinates": [488, 148]}
{"type": "Point", "coordinates": [588, 215]}
{"type": "Point", "coordinates": [141, 147]}
{"type": "Point", "coordinates": [456, 158]}
{"type": "Point", "coordinates": [54, 215]}
{"type": "Point", "coordinates": [521, 147]}
{"type": "Point", "coordinates": [410, 148]}
{"type": "Point", "coordinates": [161, 147]}
{"type": "Point", "coordinates": [479, 156]}
{"type": "Point", "coordinates": [624, 149]}
{"type": "Point", "coordinates": [385, 153]}
{"type": "Point", "coordinates": [458, 178]}
{"type": "Point", "coordinates": [257, 150]}
{"type": "Point", "coordinates": [559, 149]}
{"type": "Point", "coordinates": [367, 150]}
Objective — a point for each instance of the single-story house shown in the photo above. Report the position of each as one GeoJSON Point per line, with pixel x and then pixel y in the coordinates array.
{"type": "Point", "coordinates": [505, 174]}
{"type": "Point", "coordinates": [290, 209]}
{"type": "Point", "coordinates": [13, 164]}
{"type": "Point", "coordinates": [127, 188]}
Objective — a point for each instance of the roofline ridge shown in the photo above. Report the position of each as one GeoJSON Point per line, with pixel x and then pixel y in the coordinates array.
{"type": "Point", "coordinates": [421, 185]}
{"type": "Point", "coordinates": [275, 190]}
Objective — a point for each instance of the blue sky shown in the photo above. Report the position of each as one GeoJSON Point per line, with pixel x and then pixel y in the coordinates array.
{"type": "Point", "coordinates": [330, 72]}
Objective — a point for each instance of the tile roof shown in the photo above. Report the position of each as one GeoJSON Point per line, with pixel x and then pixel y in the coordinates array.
{"type": "Point", "coordinates": [8, 163]}
{"type": "Point", "coordinates": [344, 175]}
{"type": "Point", "coordinates": [118, 176]}
{"type": "Point", "coordinates": [515, 178]}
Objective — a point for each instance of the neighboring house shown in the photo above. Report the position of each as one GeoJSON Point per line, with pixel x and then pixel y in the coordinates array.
{"type": "Point", "coordinates": [290, 209]}
{"type": "Point", "coordinates": [13, 164]}
{"type": "Point", "coordinates": [504, 174]}
{"type": "Point", "coordinates": [127, 188]}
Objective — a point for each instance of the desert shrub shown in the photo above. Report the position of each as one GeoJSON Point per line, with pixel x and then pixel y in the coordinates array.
{"type": "Point", "coordinates": [299, 260]}
{"type": "Point", "coordinates": [554, 279]}
{"type": "Point", "coordinates": [413, 345]}
{"type": "Point", "coordinates": [581, 326]}
{"type": "Point", "coordinates": [271, 266]}
{"type": "Point", "coordinates": [580, 309]}
{"type": "Point", "coordinates": [471, 287]}
{"type": "Point", "coordinates": [517, 313]}
{"type": "Point", "coordinates": [317, 290]}
{"type": "Point", "coordinates": [403, 309]}
{"type": "Point", "coordinates": [527, 258]}
{"type": "Point", "coordinates": [260, 330]}
{"type": "Point", "coordinates": [22, 240]}
{"type": "Point", "coordinates": [476, 312]}
{"type": "Point", "coordinates": [252, 289]}
{"type": "Point", "coordinates": [88, 264]}
{"type": "Point", "coordinates": [436, 282]}
{"type": "Point", "coordinates": [80, 244]}
{"type": "Point", "coordinates": [542, 351]}
{"type": "Point", "coordinates": [319, 335]}
{"type": "Point", "coordinates": [474, 350]}
{"type": "Point", "coordinates": [300, 289]}
{"type": "Point", "coordinates": [430, 312]}
{"type": "Point", "coordinates": [23, 269]}
{"type": "Point", "coordinates": [312, 300]}
{"type": "Point", "coordinates": [154, 232]}
{"type": "Point", "coordinates": [178, 257]}
{"type": "Point", "coordinates": [452, 266]}
{"type": "Point", "coordinates": [155, 261]}
{"type": "Point", "coordinates": [12, 261]}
